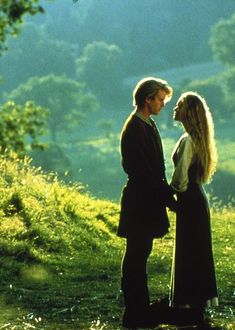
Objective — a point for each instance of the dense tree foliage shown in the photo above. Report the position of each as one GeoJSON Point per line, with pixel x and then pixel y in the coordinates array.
{"type": "Point", "coordinates": [35, 54]}
{"type": "Point", "coordinates": [222, 40]}
{"type": "Point", "coordinates": [67, 101]}
{"type": "Point", "coordinates": [228, 86]}
{"type": "Point", "coordinates": [153, 35]}
{"type": "Point", "coordinates": [149, 38]}
{"type": "Point", "coordinates": [106, 82]}
{"type": "Point", "coordinates": [20, 127]}
{"type": "Point", "coordinates": [223, 46]}
{"type": "Point", "coordinates": [108, 46]}
{"type": "Point", "coordinates": [211, 90]}
{"type": "Point", "coordinates": [11, 15]}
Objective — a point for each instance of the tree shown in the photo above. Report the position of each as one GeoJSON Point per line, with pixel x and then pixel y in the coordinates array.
{"type": "Point", "coordinates": [20, 126]}
{"type": "Point", "coordinates": [106, 126]}
{"type": "Point", "coordinates": [222, 40]}
{"type": "Point", "coordinates": [67, 100]}
{"type": "Point", "coordinates": [33, 53]}
{"type": "Point", "coordinates": [228, 79]}
{"type": "Point", "coordinates": [144, 32]}
{"type": "Point", "coordinates": [11, 16]}
{"type": "Point", "coordinates": [212, 90]}
{"type": "Point", "coordinates": [99, 66]}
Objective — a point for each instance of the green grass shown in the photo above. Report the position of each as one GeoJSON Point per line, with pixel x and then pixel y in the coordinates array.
{"type": "Point", "coordinates": [60, 256]}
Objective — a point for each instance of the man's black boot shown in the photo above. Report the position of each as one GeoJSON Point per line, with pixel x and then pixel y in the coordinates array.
{"type": "Point", "coordinates": [137, 304]}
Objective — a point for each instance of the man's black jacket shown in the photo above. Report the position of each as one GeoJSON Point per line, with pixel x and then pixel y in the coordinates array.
{"type": "Point", "coordinates": [146, 194]}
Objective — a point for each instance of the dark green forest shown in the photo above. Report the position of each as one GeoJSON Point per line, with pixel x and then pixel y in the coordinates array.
{"type": "Point", "coordinates": [72, 67]}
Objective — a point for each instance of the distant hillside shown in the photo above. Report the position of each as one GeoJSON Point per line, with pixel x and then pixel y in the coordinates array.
{"type": "Point", "coordinates": [178, 75]}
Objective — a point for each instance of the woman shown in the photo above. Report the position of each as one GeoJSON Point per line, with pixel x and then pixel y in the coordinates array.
{"type": "Point", "coordinates": [193, 281]}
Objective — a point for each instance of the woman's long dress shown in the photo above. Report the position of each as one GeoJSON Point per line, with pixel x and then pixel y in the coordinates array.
{"type": "Point", "coordinates": [193, 274]}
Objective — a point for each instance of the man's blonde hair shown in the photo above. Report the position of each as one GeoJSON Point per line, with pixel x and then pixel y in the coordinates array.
{"type": "Point", "coordinates": [148, 88]}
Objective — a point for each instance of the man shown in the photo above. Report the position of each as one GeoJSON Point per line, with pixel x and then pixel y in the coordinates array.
{"type": "Point", "coordinates": [144, 198]}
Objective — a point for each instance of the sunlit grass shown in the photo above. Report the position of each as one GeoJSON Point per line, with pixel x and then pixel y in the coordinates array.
{"type": "Point", "coordinates": [60, 256]}
{"type": "Point", "coordinates": [49, 216]}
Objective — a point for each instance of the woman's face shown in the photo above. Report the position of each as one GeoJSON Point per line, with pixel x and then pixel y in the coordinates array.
{"type": "Point", "coordinates": [178, 111]}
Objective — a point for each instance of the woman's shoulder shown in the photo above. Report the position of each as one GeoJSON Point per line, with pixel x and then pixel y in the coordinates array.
{"type": "Point", "coordinates": [185, 140]}
{"type": "Point", "coordinates": [185, 137]}
{"type": "Point", "coordinates": [186, 144]}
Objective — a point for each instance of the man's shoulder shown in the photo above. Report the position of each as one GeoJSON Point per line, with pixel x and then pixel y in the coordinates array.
{"type": "Point", "coordinates": [134, 122]}
{"type": "Point", "coordinates": [133, 129]}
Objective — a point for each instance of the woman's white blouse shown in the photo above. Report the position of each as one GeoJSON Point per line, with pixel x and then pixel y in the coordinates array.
{"type": "Point", "coordinates": [182, 157]}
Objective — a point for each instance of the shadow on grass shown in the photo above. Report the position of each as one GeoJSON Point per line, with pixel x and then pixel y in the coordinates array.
{"type": "Point", "coordinates": [57, 298]}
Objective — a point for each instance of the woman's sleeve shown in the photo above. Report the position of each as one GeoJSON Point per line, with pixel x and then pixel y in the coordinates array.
{"type": "Point", "coordinates": [180, 177]}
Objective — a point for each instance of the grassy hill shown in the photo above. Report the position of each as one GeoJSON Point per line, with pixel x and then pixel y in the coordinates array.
{"type": "Point", "coordinates": [42, 218]}
{"type": "Point", "coordinates": [60, 257]}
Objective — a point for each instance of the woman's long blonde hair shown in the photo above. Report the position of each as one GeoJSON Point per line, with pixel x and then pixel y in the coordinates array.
{"type": "Point", "coordinates": [198, 123]}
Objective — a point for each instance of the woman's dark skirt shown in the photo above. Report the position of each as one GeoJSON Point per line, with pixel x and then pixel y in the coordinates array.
{"type": "Point", "coordinates": [193, 273]}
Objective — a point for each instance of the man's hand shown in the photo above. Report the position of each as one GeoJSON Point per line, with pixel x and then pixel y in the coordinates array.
{"type": "Point", "coordinates": [172, 204]}
{"type": "Point", "coordinates": [170, 200]}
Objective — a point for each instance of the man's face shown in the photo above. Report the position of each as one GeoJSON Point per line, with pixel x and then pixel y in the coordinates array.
{"type": "Point", "coordinates": [156, 103]}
